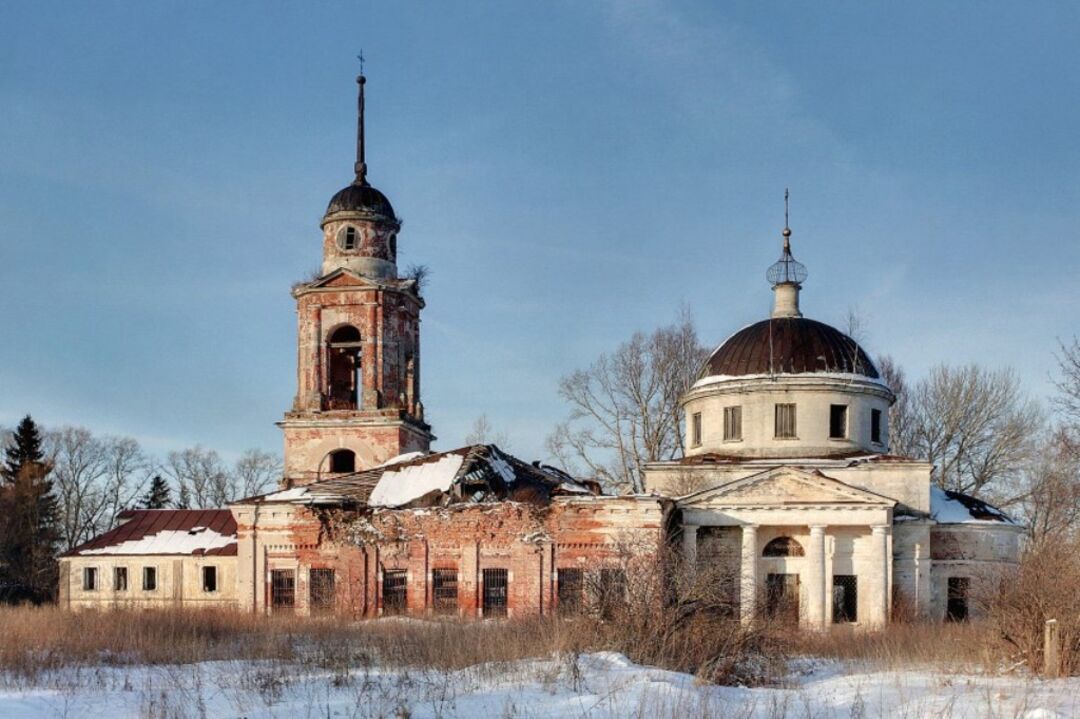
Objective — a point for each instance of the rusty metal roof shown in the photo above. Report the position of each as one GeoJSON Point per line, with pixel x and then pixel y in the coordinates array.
{"type": "Point", "coordinates": [139, 524]}
{"type": "Point", "coordinates": [360, 198]}
{"type": "Point", "coordinates": [789, 345]}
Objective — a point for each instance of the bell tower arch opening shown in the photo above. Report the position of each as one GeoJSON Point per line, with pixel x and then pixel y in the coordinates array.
{"type": "Point", "coordinates": [344, 376]}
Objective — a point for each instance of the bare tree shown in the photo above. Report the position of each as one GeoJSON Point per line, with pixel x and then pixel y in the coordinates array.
{"type": "Point", "coordinates": [901, 424]}
{"type": "Point", "coordinates": [202, 478]}
{"type": "Point", "coordinates": [483, 433]}
{"type": "Point", "coordinates": [1067, 402]}
{"type": "Point", "coordinates": [975, 425]}
{"type": "Point", "coordinates": [256, 472]}
{"type": "Point", "coordinates": [624, 409]}
{"type": "Point", "coordinates": [1049, 490]}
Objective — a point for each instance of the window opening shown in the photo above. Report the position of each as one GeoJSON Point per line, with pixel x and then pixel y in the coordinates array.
{"type": "Point", "coordinates": [495, 592]}
{"type": "Point", "coordinates": [149, 579]}
{"type": "Point", "coordinates": [395, 591]}
{"type": "Point", "coordinates": [612, 590]}
{"type": "Point", "coordinates": [845, 591]}
{"type": "Point", "coordinates": [209, 579]}
{"type": "Point", "coordinates": [571, 585]}
{"type": "Point", "coordinates": [343, 461]}
{"type": "Point", "coordinates": [785, 421]}
{"type": "Point", "coordinates": [957, 608]}
{"type": "Point", "coordinates": [321, 589]}
{"type": "Point", "coordinates": [120, 579]}
{"type": "Point", "coordinates": [444, 594]}
{"type": "Point", "coordinates": [344, 363]}
{"type": "Point", "coordinates": [348, 238]}
{"type": "Point", "coordinates": [782, 597]}
{"type": "Point", "coordinates": [695, 429]}
{"type": "Point", "coordinates": [875, 425]}
{"type": "Point", "coordinates": [282, 589]}
{"type": "Point", "coordinates": [783, 547]}
{"type": "Point", "coordinates": [838, 421]}
{"type": "Point", "coordinates": [89, 579]}
{"type": "Point", "coordinates": [733, 423]}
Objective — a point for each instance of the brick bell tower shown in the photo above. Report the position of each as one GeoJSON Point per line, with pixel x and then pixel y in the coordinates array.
{"type": "Point", "coordinates": [358, 361]}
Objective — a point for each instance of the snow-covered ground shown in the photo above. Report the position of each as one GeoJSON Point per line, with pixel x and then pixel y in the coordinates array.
{"type": "Point", "coordinates": [594, 685]}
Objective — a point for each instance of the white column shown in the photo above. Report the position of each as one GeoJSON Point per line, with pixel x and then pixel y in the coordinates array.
{"type": "Point", "coordinates": [815, 578]}
{"type": "Point", "coordinates": [689, 544]}
{"type": "Point", "coordinates": [879, 576]}
{"type": "Point", "coordinates": [749, 570]}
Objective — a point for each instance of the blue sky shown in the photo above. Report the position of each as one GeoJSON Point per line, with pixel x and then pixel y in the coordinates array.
{"type": "Point", "coordinates": [570, 171]}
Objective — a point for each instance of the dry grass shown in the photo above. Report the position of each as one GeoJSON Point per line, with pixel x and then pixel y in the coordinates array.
{"type": "Point", "coordinates": [961, 647]}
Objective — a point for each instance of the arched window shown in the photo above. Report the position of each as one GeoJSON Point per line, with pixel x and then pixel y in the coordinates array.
{"type": "Point", "coordinates": [783, 547]}
{"type": "Point", "coordinates": [348, 238]}
{"type": "Point", "coordinates": [343, 460]}
{"type": "Point", "coordinates": [344, 379]}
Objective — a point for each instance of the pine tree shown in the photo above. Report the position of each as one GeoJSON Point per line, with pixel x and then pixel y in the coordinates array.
{"type": "Point", "coordinates": [159, 496]}
{"type": "Point", "coordinates": [29, 533]}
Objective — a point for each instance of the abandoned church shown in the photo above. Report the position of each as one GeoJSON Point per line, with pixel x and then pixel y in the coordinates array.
{"type": "Point", "coordinates": [786, 482]}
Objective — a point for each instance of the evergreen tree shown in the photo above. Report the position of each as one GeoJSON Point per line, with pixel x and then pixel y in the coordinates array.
{"type": "Point", "coordinates": [29, 533]}
{"type": "Point", "coordinates": [159, 496]}
{"type": "Point", "coordinates": [25, 447]}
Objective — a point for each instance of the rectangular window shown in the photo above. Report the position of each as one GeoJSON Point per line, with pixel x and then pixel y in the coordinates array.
{"type": "Point", "coordinates": [845, 593]}
{"type": "Point", "coordinates": [957, 608]}
{"type": "Point", "coordinates": [875, 425]}
{"type": "Point", "coordinates": [838, 421]}
{"type": "Point", "coordinates": [209, 579]}
{"type": "Point", "coordinates": [394, 591]}
{"type": "Point", "coordinates": [571, 586]}
{"type": "Point", "coordinates": [695, 429]}
{"type": "Point", "coordinates": [732, 423]}
{"type": "Point", "coordinates": [785, 421]}
{"type": "Point", "coordinates": [611, 591]}
{"type": "Point", "coordinates": [321, 589]}
{"type": "Point", "coordinates": [120, 579]}
{"type": "Point", "coordinates": [496, 583]}
{"type": "Point", "coordinates": [282, 589]}
{"type": "Point", "coordinates": [149, 579]}
{"type": "Point", "coordinates": [444, 590]}
{"type": "Point", "coordinates": [89, 579]}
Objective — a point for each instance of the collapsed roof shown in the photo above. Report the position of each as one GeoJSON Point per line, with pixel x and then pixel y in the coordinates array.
{"type": "Point", "coordinates": [478, 473]}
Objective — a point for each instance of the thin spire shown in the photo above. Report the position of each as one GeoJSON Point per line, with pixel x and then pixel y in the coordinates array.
{"type": "Point", "coordinates": [787, 225]}
{"type": "Point", "coordinates": [361, 163]}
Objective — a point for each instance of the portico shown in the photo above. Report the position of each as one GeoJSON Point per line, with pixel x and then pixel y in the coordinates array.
{"type": "Point", "coordinates": [802, 539]}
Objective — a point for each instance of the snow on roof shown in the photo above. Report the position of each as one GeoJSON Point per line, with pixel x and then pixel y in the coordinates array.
{"type": "Point", "coordinates": [166, 531]}
{"type": "Point", "coordinates": [948, 507]}
{"type": "Point", "coordinates": [397, 487]}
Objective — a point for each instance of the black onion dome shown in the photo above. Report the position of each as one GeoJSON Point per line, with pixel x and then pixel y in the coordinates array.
{"type": "Point", "coordinates": [360, 198]}
{"type": "Point", "coordinates": [796, 346]}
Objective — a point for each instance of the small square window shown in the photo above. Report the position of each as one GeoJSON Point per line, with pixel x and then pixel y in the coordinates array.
{"type": "Point", "coordinates": [695, 429]}
{"type": "Point", "coordinates": [89, 579]}
{"type": "Point", "coordinates": [120, 579]}
{"type": "Point", "coordinates": [733, 423]}
{"type": "Point", "coordinates": [209, 579]}
{"type": "Point", "coordinates": [875, 425]}
{"type": "Point", "coordinates": [838, 421]}
{"type": "Point", "coordinates": [149, 579]}
{"type": "Point", "coordinates": [785, 421]}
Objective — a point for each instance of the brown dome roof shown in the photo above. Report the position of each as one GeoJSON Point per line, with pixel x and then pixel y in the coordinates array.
{"type": "Point", "coordinates": [361, 198]}
{"type": "Point", "coordinates": [789, 345]}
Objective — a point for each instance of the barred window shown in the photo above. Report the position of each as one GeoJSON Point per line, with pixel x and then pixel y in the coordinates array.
{"type": "Point", "coordinates": [838, 421]}
{"type": "Point", "coordinates": [120, 579]}
{"type": "Point", "coordinates": [496, 583]}
{"type": "Point", "coordinates": [875, 425]}
{"type": "Point", "coordinates": [733, 423]}
{"type": "Point", "coordinates": [571, 586]}
{"type": "Point", "coordinates": [89, 579]}
{"type": "Point", "coordinates": [321, 589]}
{"type": "Point", "coordinates": [282, 589]}
{"type": "Point", "coordinates": [444, 593]}
{"type": "Point", "coordinates": [395, 591]}
{"type": "Point", "coordinates": [845, 588]}
{"type": "Point", "coordinates": [695, 429]}
{"type": "Point", "coordinates": [785, 421]}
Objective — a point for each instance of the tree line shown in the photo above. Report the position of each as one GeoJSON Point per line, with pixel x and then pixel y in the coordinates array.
{"type": "Point", "coordinates": [984, 434]}
{"type": "Point", "coordinates": [59, 488]}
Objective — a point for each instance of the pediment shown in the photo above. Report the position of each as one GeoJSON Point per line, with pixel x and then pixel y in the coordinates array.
{"type": "Point", "coordinates": [342, 278]}
{"type": "Point", "coordinates": [784, 486]}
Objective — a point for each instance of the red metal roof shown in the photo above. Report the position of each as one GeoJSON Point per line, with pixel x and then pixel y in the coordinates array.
{"type": "Point", "coordinates": [138, 524]}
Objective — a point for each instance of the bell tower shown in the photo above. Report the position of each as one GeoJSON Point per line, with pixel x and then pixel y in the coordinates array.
{"type": "Point", "coordinates": [358, 362]}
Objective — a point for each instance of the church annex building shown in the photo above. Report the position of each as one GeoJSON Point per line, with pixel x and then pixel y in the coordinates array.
{"type": "Point", "coordinates": [795, 494]}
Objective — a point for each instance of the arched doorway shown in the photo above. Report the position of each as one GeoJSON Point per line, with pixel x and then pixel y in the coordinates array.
{"type": "Point", "coordinates": [782, 587]}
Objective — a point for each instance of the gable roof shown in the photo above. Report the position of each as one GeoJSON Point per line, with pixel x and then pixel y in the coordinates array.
{"type": "Point", "coordinates": [784, 487]}
{"type": "Point", "coordinates": [199, 532]}
{"type": "Point", "coordinates": [476, 473]}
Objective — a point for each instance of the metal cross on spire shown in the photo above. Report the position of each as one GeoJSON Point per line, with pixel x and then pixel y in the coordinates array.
{"type": "Point", "coordinates": [361, 161]}
{"type": "Point", "coordinates": [360, 57]}
{"type": "Point", "coordinates": [786, 194]}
